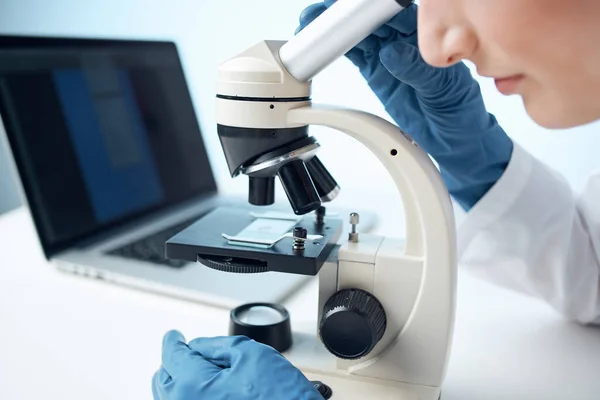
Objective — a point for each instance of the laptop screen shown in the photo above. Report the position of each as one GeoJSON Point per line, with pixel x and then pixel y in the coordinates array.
{"type": "Point", "coordinates": [102, 131]}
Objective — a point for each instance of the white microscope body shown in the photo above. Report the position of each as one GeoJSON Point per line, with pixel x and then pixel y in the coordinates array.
{"type": "Point", "coordinates": [398, 296]}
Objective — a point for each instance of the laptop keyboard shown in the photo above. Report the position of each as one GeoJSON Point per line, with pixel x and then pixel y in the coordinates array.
{"type": "Point", "coordinates": [152, 248]}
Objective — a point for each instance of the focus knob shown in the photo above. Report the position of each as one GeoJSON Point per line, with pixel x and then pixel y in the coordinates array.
{"type": "Point", "coordinates": [353, 322]}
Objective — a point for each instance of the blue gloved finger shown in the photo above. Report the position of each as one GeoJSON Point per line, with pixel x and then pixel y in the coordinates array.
{"type": "Point", "coordinates": [357, 57]}
{"type": "Point", "coordinates": [160, 382]}
{"type": "Point", "coordinates": [405, 109]}
{"type": "Point", "coordinates": [369, 46]}
{"type": "Point", "coordinates": [155, 391]}
{"type": "Point", "coordinates": [309, 14]}
{"type": "Point", "coordinates": [221, 351]}
{"type": "Point", "coordinates": [404, 61]}
{"type": "Point", "coordinates": [178, 359]}
{"type": "Point", "coordinates": [175, 352]}
{"type": "Point", "coordinates": [163, 377]}
{"type": "Point", "coordinates": [405, 21]}
{"type": "Point", "coordinates": [384, 32]}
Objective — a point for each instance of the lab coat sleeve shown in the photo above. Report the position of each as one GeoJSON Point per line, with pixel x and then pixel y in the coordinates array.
{"type": "Point", "coordinates": [531, 233]}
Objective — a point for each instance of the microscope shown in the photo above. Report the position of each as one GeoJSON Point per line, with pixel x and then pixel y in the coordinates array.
{"type": "Point", "coordinates": [386, 306]}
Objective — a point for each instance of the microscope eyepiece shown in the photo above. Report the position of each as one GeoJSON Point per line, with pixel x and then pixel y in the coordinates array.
{"type": "Point", "coordinates": [299, 187]}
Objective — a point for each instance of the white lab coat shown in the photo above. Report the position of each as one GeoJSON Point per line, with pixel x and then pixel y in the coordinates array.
{"type": "Point", "coordinates": [533, 234]}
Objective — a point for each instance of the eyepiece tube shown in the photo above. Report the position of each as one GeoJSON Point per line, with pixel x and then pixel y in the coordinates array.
{"type": "Point", "coordinates": [331, 35]}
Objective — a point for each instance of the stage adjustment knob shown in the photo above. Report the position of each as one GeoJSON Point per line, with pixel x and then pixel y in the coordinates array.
{"type": "Point", "coordinates": [353, 322]}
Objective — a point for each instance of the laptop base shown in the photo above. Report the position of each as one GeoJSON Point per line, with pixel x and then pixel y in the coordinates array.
{"type": "Point", "coordinates": [196, 283]}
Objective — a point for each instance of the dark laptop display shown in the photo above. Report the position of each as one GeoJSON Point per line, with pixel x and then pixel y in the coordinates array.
{"type": "Point", "coordinates": [102, 131]}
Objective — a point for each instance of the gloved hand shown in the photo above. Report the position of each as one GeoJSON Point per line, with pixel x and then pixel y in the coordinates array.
{"type": "Point", "coordinates": [231, 367]}
{"type": "Point", "coordinates": [440, 108]}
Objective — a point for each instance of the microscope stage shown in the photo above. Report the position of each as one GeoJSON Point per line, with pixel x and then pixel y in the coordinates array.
{"type": "Point", "coordinates": [217, 241]}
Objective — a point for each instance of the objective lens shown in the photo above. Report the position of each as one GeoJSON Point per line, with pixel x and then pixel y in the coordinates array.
{"type": "Point", "coordinates": [326, 186]}
{"type": "Point", "coordinates": [261, 191]}
{"type": "Point", "coordinates": [299, 187]}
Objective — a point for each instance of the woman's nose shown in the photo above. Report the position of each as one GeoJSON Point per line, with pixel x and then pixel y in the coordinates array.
{"type": "Point", "coordinates": [442, 41]}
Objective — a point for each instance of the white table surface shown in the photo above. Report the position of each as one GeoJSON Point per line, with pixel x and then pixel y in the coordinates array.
{"type": "Point", "coordinates": [67, 337]}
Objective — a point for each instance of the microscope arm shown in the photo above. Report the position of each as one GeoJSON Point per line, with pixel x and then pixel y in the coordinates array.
{"type": "Point", "coordinates": [416, 177]}
{"type": "Point", "coordinates": [430, 245]}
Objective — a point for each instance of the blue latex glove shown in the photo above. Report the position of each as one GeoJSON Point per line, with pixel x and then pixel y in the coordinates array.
{"type": "Point", "coordinates": [440, 108]}
{"type": "Point", "coordinates": [231, 367]}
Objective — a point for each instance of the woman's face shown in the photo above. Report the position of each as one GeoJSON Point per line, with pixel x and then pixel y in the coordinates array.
{"type": "Point", "coordinates": [546, 51]}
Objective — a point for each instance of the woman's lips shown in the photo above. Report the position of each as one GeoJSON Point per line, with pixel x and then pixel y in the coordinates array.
{"type": "Point", "coordinates": [509, 85]}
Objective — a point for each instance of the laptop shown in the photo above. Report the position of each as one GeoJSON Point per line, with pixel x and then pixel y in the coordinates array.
{"type": "Point", "coordinates": [112, 163]}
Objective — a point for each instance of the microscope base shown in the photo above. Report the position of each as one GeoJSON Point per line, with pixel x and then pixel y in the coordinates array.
{"type": "Point", "coordinates": [351, 387]}
{"type": "Point", "coordinates": [309, 355]}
